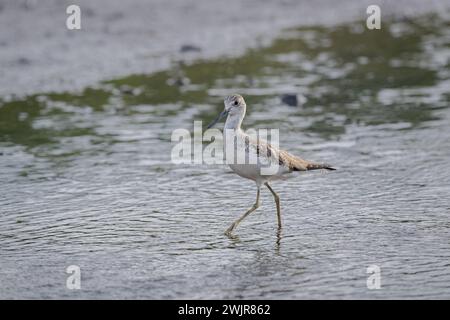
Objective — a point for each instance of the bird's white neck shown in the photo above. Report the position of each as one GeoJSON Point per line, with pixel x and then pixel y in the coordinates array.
{"type": "Point", "coordinates": [234, 121]}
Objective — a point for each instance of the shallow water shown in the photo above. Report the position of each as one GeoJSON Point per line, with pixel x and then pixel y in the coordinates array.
{"type": "Point", "coordinates": [86, 178]}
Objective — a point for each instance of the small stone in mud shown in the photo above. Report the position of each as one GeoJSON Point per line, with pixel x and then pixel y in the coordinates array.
{"type": "Point", "coordinates": [178, 81]}
{"type": "Point", "coordinates": [125, 89]}
{"type": "Point", "coordinates": [292, 99]}
{"type": "Point", "coordinates": [189, 48]}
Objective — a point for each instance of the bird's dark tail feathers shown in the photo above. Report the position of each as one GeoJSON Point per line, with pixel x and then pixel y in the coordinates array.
{"type": "Point", "coordinates": [317, 166]}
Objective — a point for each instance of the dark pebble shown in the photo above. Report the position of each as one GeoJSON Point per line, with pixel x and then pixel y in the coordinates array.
{"type": "Point", "coordinates": [290, 99]}
{"type": "Point", "coordinates": [189, 48]}
{"type": "Point", "coordinates": [178, 81]}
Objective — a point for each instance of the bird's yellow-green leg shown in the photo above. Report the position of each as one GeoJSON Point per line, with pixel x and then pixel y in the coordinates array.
{"type": "Point", "coordinates": [253, 208]}
{"type": "Point", "coordinates": [277, 202]}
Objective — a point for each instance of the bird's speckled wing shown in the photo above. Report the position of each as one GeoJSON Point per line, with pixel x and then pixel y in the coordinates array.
{"type": "Point", "coordinates": [284, 158]}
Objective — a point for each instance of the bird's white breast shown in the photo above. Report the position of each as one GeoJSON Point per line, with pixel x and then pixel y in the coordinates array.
{"type": "Point", "coordinates": [249, 163]}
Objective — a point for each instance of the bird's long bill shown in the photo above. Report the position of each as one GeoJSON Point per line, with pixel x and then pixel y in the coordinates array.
{"type": "Point", "coordinates": [221, 115]}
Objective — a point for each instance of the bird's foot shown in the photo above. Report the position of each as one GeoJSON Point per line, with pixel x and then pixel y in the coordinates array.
{"type": "Point", "coordinates": [229, 231]}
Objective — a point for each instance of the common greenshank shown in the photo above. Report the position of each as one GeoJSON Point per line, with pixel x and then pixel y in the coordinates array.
{"type": "Point", "coordinates": [235, 108]}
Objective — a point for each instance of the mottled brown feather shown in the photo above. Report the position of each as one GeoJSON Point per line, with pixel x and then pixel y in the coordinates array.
{"type": "Point", "coordinates": [298, 164]}
{"type": "Point", "coordinates": [286, 159]}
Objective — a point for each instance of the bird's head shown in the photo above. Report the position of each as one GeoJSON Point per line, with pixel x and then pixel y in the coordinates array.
{"type": "Point", "coordinates": [234, 105]}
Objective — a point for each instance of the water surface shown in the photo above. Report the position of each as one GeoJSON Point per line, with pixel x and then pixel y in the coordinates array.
{"type": "Point", "coordinates": [86, 177]}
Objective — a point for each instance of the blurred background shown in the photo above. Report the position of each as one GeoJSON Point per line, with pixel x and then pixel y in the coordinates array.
{"type": "Point", "coordinates": [86, 118]}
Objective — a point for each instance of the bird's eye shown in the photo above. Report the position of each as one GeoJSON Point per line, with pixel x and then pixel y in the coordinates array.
{"type": "Point", "coordinates": [236, 103]}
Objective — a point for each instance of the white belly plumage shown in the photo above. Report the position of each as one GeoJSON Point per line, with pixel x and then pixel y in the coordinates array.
{"type": "Point", "coordinates": [254, 162]}
{"type": "Point", "coordinates": [249, 171]}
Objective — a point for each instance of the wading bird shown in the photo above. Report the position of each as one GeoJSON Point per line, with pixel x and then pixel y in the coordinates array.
{"type": "Point", "coordinates": [235, 108]}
